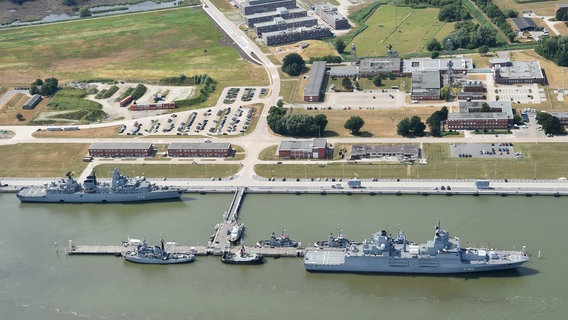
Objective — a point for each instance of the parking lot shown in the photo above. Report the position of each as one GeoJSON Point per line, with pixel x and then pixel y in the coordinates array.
{"type": "Point", "coordinates": [484, 150]}
{"type": "Point", "coordinates": [220, 120]}
{"type": "Point", "coordinates": [522, 93]}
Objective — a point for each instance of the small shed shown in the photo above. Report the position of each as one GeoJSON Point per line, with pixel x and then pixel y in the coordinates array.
{"type": "Point", "coordinates": [354, 183]}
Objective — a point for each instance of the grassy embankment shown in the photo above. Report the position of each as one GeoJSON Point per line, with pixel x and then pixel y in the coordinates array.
{"type": "Point", "coordinates": [139, 47]}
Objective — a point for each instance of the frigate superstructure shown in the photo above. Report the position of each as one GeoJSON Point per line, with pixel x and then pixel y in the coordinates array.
{"type": "Point", "coordinates": [384, 254]}
{"type": "Point", "coordinates": [120, 190]}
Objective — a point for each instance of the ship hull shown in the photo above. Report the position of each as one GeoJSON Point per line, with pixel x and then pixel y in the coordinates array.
{"type": "Point", "coordinates": [337, 261]}
{"type": "Point", "coordinates": [32, 195]}
{"type": "Point", "coordinates": [158, 261]}
{"type": "Point", "coordinates": [230, 259]}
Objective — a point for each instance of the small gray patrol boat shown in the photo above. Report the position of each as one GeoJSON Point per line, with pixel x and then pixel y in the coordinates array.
{"type": "Point", "coordinates": [122, 189]}
{"type": "Point", "coordinates": [384, 254]}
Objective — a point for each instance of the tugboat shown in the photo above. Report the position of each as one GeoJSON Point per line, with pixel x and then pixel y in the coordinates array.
{"type": "Point", "coordinates": [242, 257]}
{"type": "Point", "coordinates": [236, 232]}
{"type": "Point", "coordinates": [121, 189]}
{"type": "Point", "coordinates": [156, 255]}
{"type": "Point", "coordinates": [385, 254]}
{"type": "Point", "coordinates": [341, 241]}
{"type": "Point", "coordinates": [282, 241]}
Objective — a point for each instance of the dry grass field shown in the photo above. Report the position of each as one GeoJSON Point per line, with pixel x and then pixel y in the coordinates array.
{"type": "Point", "coordinates": [102, 132]}
{"type": "Point", "coordinates": [378, 123]}
{"type": "Point", "coordinates": [145, 46]}
{"type": "Point", "coordinates": [544, 8]}
{"type": "Point", "coordinates": [316, 48]}
{"type": "Point", "coordinates": [11, 107]}
{"type": "Point", "coordinates": [42, 159]}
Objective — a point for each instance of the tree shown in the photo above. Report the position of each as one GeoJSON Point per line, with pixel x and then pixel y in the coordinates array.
{"type": "Point", "coordinates": [48, 87]}
{"type": "Point", "coordinates": [417, 127]}
{"type": "Point", "coordinates": [355, 123]}
{"type": "Point", "coordinates": [485, 107]}
{"type": "Point", "coordinates": [84, 12]}
{"type": "Point", "coordinates": [445, 92]}
{"type": "Point", "coordinates": [293, 64]}
{"type": "Point", "coordinates": [562, 14]}
{"type": "Point", "coordinates": [483, 49]}
{"type": "Point", "coordinates": [435, 54]}
{"type": "Point", "coordinates": [434, 45]}
{"type": "Point", "coordinates": [434, 123]}
{"type": "Point", "coordinates": [70, 3]}
{"type": "Point", "coordinates": [320, 120]}
{"type": "Point", "coordinates": [280, 103]}
{"type": "Point", "coordinates": [550, 124]}
{"type": "Point", "coordinates": [339, 45]}
{"type": "Point", "coordinates": [346, 83]}
{"type": "Point", "coordinates": [555, 49]}
{"type": "Point", "coordinates": [377, 80]}
{"type": "Point", "coordinates": [403, 127]}
{"type": "Point", "coordinates": [34, 90]}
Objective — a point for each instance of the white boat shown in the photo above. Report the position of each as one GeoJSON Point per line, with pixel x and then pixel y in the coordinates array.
{"type": "Point", "coordinates": [236, 232]}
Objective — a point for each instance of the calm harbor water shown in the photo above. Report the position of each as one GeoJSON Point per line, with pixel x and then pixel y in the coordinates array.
{"type": "Point", "coordinates": [38, 281]}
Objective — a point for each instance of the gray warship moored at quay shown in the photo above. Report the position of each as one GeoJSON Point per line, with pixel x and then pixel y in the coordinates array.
{"type": "Point", "coordinates": [156, 255]}
{"type": "Point", "coordinates": [384, 254]}
{"type": "Point", "coordinates": [121, 189]}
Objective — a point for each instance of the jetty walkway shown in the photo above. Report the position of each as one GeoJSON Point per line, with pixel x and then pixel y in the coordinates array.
{"type": "Point", "coordinates": [217, 245]}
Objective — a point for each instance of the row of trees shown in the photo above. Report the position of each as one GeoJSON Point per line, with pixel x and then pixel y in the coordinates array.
{"type": "Point", "coordinates": [411, 127]}
{"type": "Point", "coordinates": [550, 124]}
{"type": "Point", "coordinates": [555, 49]}
{"type": "Point", "coordinates": [328, 59]}
{"type": "Point", "coordinates": [46, 88]}
{"type": "Point", "coordinates": [498, 17]}
{"type": "Point", "coordinates": [414, 127]}
{"type": "Point", "coordinates": [297, 124]}
{"type": "Point", "coordinates": [562, 14]}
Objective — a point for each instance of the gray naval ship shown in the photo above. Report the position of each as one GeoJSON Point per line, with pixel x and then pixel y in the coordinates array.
{"type": "Point", "coordinates": [121, 189]}
{"type": "Point", "coordinates": [385, 254]}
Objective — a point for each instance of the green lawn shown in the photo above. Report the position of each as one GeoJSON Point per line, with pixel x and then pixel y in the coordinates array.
{"type": "Point", "coordinates": [145, 46]}
{"type": "Point", "coordinates": [188, 170]}
{"type": "Point", "coordinates": [408, 30]}
{"type": "Point", "coordinates": [540, 161]}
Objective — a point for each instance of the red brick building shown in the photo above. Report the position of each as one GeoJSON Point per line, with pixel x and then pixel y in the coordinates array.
{"type": "Point", "coordinates": [303, 149]}
{"type": "Point", "coordinates": [199, 149]}
{"type": "Point", "coordinates": [121, 149]}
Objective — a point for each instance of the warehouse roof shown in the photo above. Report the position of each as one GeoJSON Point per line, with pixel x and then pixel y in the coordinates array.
{"type": "Point", "coordinates": [200, 145]}
{"type": "Point", "coordinates": [121, 145]}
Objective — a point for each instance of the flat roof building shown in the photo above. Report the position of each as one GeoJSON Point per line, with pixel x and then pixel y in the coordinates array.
{"type": "Point", "coordinates": [256, 6]}
{"type": "Point", "coordinates": [200, 149]}
{"type": "Point", "coordinates": [470, 117]}
{"type": "Point", "coordinates": [294, 35]}
{"type": "Point", "coordinates": [410, 66]}
{"type": "Point", "coordinates": [282, 12]}
{"type": "Point", "coordinates": [399, 151]}
{"type": "Point", "coordinates": [426, 85]}
{"type": "Point", "coordinates": [316, 80]}
{"type": "Point", "coordinates": [121, 149]}
{"type": "Point", "coordinates": [374, 66]}
{"type": "Point", "coordinates": [303, 149]}
{"type": "Point", "coordinates": [562, 116]}
{"type": "Point", "coordinates": [329, 15]}
{"type": "Point", "coordinates": [519, 72]}
{"type": "Point", "coordinates": [344, 71]}
{"type": "Point", "coordinates": [280, 23]}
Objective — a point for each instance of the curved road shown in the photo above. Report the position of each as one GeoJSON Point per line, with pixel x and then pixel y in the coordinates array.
{"type": "Point", "coordinates": [261, 137]}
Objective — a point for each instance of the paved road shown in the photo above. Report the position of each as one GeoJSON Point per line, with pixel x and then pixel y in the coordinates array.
{"type": "Point", "coordinates": [261, 137]}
